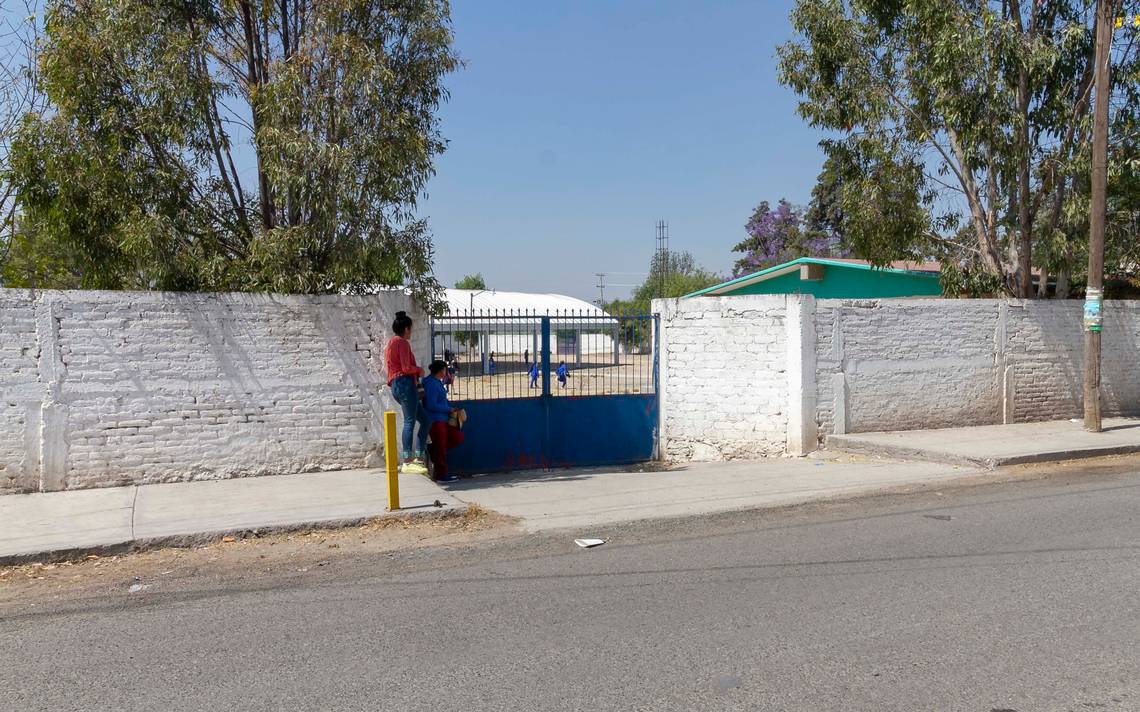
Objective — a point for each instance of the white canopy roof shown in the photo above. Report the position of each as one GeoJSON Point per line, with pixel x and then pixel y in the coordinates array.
{"type": "Point", "coordinates": [461, 301]}
{"type": "Point", "coordinates": [510, 310]}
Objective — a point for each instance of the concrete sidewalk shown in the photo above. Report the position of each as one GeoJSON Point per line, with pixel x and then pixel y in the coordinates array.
{"type": "Point", "coordinates": [583, 499]}
{"type": "Point", "coordinates": [57, 522]}
{"type": "Point", "coordinates": [179, 513]}
{"type": "Point", "coordinates": [992, 446]}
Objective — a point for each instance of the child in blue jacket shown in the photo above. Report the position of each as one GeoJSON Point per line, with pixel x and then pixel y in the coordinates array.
{"type": "Point", "coordinates": [444, 436]}
{"type": "Point", "coordinates": [563, 374]}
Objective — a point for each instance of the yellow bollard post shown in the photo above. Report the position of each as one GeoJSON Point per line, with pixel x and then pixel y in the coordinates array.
{"type": "Point", "coordinates": [392, 460]}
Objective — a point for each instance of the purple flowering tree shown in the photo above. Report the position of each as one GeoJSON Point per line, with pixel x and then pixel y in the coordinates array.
{"type": "Point", "coordinates": [780, 234]}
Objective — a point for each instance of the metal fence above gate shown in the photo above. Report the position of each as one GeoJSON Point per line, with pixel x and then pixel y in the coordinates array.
{"type": "Point", "coordinates": [506, 354]}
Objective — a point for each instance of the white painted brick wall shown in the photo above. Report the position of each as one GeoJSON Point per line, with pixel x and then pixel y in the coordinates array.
{"type": "Point", "coordinates": [729, 380]}
{"type": "Point", "coordinates": [105, 388]}
{"type": "Point", "coordinates": [19, 392]}
{"type": "Point", "coordinates": [724, 386]}
{"type": "Point", "coordinates": [1045, 358]}
{"type": "Point", "coordinates": [908, 363]}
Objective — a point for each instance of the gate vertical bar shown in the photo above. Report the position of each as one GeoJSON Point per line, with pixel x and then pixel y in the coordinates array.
{"type": "Point", "coordinates": [545, 356]}
{"type": "Point", "coordinates": [546, 398]}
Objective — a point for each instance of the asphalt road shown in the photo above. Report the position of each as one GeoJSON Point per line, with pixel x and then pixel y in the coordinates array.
{"type": "Point", "coordinates": [1020, 596]}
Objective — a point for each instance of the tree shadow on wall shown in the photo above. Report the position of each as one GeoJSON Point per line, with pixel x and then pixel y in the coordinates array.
{"type": "Point", "coordinates": [1120, 359]}
{"type": "Point", "coordinates": [229, 336]}
{"type": "Point", "coordinates": [357, 344]}
{"type": "Point", "coordinates": [1062, 336]}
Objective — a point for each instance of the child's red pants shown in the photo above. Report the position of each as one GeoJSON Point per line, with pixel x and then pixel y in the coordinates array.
{"type": "Point", "coordinates": [443, 438]}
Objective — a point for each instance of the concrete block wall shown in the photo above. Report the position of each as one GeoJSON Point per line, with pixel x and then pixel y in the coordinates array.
{"type": "Point", "coordinates": [906, 364]}
{"type": "Point", "coordinates": [107, 388]}
{"type": "Point", "coordinates": [724, 376]}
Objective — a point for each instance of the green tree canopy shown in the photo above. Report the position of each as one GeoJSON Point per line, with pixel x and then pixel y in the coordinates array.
{"type": "Point", "coordinates": [961, 114]}
{"type": "Point", "coordinates": [237, 144]}
{"type": "Point", "coordinates": [19, 95]}
{"type": "Point", "coordinates": [472, 281]}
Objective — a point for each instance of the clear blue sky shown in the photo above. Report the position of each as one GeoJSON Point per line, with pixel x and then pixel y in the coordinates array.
{"type": "Point", "coordinates": [578, 123]}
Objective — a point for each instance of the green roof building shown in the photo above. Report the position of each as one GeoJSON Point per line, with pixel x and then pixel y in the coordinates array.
{"type": "Point", "coordinates": [829, 278]}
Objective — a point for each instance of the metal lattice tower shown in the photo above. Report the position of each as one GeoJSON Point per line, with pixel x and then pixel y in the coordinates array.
{"type": "Point", "coordinates": [662, 256]}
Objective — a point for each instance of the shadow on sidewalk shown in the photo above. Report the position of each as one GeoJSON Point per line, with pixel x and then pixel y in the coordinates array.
{"type": "Point", "coordinates": [508, 479]}
{"type": "Point", "coordinates": [1125, 426]}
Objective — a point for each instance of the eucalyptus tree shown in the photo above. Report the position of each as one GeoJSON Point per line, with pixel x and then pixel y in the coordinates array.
{"type": "Point", "coordinates": [238, 144]}
{"type": "Point", "coordinates": [963, 125]}
{"type": "Point", "coordinates": [19, 95]}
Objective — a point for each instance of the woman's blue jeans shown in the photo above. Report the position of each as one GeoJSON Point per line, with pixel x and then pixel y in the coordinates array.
{"type": "Point", "coordinates": [407, 395]}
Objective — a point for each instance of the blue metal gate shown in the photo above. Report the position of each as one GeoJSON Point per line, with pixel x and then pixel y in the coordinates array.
{"type": "Point", "coordinates": [552, 390]}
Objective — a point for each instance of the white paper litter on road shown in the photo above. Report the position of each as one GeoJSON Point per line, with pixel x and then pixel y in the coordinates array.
{"type": "Point", "coordinates": [589, 543]}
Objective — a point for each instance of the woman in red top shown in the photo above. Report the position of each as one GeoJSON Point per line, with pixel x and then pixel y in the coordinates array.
{"type": "Point", "coordinates": [403, 375]}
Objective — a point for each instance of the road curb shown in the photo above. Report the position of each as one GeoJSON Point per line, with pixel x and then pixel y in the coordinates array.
{"type": "Point", "coordinates": [184, 541]}
{"type": "Point", "coordinates": [856, 445]}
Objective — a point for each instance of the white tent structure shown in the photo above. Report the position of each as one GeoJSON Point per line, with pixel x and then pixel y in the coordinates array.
{"type": "Point", "coordinates": [508, 325]}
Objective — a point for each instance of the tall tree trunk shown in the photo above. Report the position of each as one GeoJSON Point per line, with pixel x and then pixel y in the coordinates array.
{"type": "Point", "coordinates": [984, 229]}
{"type": "Point", "coordinates": [1025, 200]}
{"type": "Point", "coordinates": [1064, 283]}
{"type": "Point", "coordinates": [254, 65]}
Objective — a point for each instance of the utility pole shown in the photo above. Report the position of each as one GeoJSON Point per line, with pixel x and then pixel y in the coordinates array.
{"type": "Point", "coordinates": [601, 288]}
{"type": "Point", "coordinates": [1094, 295]}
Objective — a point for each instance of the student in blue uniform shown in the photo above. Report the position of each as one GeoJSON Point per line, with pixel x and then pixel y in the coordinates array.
{"type": "Point", "coordinates": [534, 373]}
{"type": "Point", "coordinates": [563, 374]}
{"type": "Point", "coordinates": [444, 436]}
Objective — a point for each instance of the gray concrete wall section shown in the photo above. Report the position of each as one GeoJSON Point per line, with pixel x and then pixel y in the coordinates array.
{"type": "Point", "coordinates": [112, 388]}
{"type": "Point", "coordinates": [907, 364]}
{"type": "Point", "coordinates": [914, 364]}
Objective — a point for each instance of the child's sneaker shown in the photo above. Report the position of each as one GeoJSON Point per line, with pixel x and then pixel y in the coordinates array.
{"type": "Point", "coordinates": [413, 467]}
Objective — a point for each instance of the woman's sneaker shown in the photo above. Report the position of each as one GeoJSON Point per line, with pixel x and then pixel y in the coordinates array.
{"type": "Point", "coordinates": [414, 467]}
{"type": "Point", "coordinates": [447, 478]}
